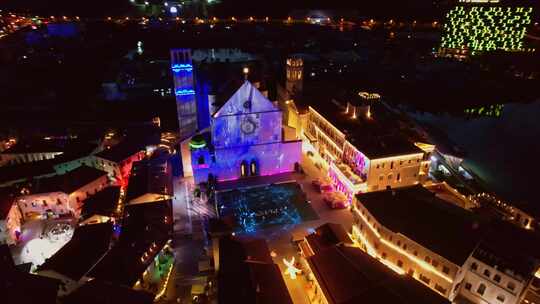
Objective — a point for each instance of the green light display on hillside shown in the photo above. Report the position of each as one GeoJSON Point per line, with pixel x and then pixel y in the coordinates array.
{"type": "Point", "coordinates": [486, 28]}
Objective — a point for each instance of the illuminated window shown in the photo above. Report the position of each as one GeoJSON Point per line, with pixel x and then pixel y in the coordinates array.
{"type": "Point", "coordinates": [440, 289]}
{"type": "Point", "coordinates": [424, 279]}
{"type": "Point", "coordinates": [481, 289]}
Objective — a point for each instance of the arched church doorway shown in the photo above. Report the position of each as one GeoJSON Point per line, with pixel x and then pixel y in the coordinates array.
{"type": "Point", "coordinates": [244, 169]}
{"type": "Point", "coordinates": [254, 168]}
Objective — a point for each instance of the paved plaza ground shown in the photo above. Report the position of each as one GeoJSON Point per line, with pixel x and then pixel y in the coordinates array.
{"type": "Point", "coordinates": [190, 246]}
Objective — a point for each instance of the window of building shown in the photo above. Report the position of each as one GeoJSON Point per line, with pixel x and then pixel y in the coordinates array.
{"type": "Point", "coordinates": [33, 204]}
{"type": "Point", "coordinates": [398, 178]}
{"type": "Point", "coordinates": [381, 177]}
{"type": "Point", "coordinates": [390, 176]}
{"type": "Point", "coordinates": [481, 289]}
{"type": "Point", "coordinates": [497, 278]}
{"type": "Point", "coordinates": [399, 243]}
{"type": "Point", "coordinates": [391, 238]}
{"type": "Point", "coordinates": [415, 253]}
{"type": "Point", "coordinates": [435, 263]}
{"type": "Point", "coordinates": [45, 203]}
{"type": "Point", "coordinates": [392, 165]}
{"type": "Point", "coordinates": [383, 255]}
{"type": "Point", "coordinates": [410, 272]}
{"type": "Point", "coordinates": [424, 279]}
{"type": "Point", "coordinates": [468, 286]}
{"type": "Point", "coordinates": [400, 162]}
{"type": "Point", "coordinates": [404, 246]}
{"type": "Point", "coordinates": [440, 289]}
{"type": "Point", "coordinates": [383, 165]}
{"type": "Point", "coordinates": [487, 273]}
{"type": "Point", "coordinates": [511, 285]}
{"type": "Point", "coordinates": [378, 166]}
{"type": "Point", "coordinates": [445, 269]}
{"type": "Point", "coordinates": [400, 264]}
{"type": "Point", "coordinates": [474, 266]}
{"type": "Point", "coordinates": [427, 259]}
{"type": "Point", "coordinates": [501, 298]}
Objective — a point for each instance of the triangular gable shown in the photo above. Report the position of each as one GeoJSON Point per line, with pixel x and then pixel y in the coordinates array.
{"type": "Point", "coordinates": [247, 99]}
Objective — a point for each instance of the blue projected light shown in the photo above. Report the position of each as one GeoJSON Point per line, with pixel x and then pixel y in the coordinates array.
{"type": "Point", "coordinates": [185, 92]}
{"type": "Point", "coordinates": [182, 67]}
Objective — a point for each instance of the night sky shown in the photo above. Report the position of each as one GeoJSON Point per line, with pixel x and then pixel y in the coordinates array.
{"type": "Point", "coordinates": [277, 8]}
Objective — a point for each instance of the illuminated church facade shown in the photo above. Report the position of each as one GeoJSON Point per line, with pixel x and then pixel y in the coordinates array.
{"type": "Point", "coordinates": [245, 139]}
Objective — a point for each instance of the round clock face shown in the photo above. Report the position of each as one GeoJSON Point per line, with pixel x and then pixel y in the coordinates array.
{"type": "Point", "coordinates": [248, 127]}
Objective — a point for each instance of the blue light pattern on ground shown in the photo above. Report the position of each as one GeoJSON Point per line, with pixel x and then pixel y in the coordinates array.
{"type": "Point", "coordinates": [256, 208]}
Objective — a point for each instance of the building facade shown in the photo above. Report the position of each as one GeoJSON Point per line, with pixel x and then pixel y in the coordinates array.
{"type": "Point", "coordinates": [10, 219]}
{"type": "Point", "coordinates": [477, 26]}
{"type": "Point", "coordinates": [245, 140]}
{"type": "Point", "coordinates": [63, 194]}
{"type": "Point", "coordinates": [355, 166]}
{"type": "Point", "coordinates": [465, 258]}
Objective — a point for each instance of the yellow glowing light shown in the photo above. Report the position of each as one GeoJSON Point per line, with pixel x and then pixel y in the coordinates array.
{"type": "Point", "coordinates": [164, 286]}
{"type": "Point", "coordinates": [421, 263]}
{"type": "Point", "coordinates": [291, 269]}
{"type": "Point", "coordinates": [371, 251]}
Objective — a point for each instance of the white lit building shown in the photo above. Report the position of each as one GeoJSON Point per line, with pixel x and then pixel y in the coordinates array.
{"type": "Point", "coordinates": [10, 218]}
{"type": "Point", "coordinates": [463, 257]}
{"type": "Point", "coordinates": [61, 194]}
{"type": "Point", "coordinates": [360, 143]}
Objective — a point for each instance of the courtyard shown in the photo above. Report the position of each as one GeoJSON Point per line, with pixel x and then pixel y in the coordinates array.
{"type": "Point", "coordinates": [259, 207]}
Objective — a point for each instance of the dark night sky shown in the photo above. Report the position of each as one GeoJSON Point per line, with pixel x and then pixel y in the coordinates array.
{"type": "Point", "coordinates": [388, 8]}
